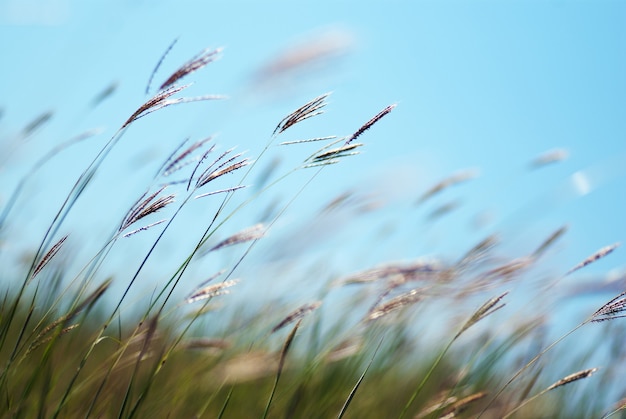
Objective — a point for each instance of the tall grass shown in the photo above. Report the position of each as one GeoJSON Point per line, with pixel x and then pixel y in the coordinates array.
{"type": "Point", "coordinates": [361, 344]}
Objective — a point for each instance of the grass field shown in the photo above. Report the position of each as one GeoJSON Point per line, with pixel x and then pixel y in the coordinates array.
{"type": "Point", "coordinates": [427, 337]}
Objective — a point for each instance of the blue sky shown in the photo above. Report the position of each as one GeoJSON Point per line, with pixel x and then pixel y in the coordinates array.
{"type": "Point", "coordinates": [481, 85]}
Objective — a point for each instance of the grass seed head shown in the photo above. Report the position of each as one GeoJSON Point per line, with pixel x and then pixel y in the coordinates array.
{"type": "Point", "coordinates": [308, 110]}
{"type": "Point", "coordinates": [201, 60]}
{"type": "Point", "coordinates": [211, 291]}
{"type": "Point", "coordinates": [49, 255]}
{"type": "Point", "coordinates": [614, 309]}
{"type": "Point", "coordinates": [380, 115]}
{"type": "Point", "coordinates": [573, 377]}
{"type": "Point", "coordinates": [394, 304]}
{"type": "Point", "coordinates": [605, 251]}
{"type": "Point", "coordinates": [297, 314]}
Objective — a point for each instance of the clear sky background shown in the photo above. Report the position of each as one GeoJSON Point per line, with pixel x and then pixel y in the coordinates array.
{"type": "Point", "coordinates": [481, 85]}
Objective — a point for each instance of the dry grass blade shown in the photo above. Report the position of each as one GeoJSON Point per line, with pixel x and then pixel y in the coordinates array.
{"type": "Point", "coordinates": [306, 111]}
{"type": "Point", "coordinates": [452, 180]}
{"type": "Point", "coordinates": [549, 241]}
{"type": "Point", "coordinates": [483, 311]}
{"type": "Point", "coordinates": [201, 60]}
{"type": "Point", "coordinates": [212, 291]}
{"type": "Point", "coordinates": [573, 377]}
{"type": "Point", "coordinates": [145, 207]}
{"type": "Point", "coordinates": [49, 255]}
{"type": "Point", "coordinates": [370, 123]}
{"type": "Point", "coordinates": [614, 309]}
{"type": "Point", "coordinates": [297, 314]}
{"type": "Point", "coordinates": [251, 233]}
{"type": "Point", "coordinates": [598, 255]}
{"type": "Point", "coordinates": [394, 304]}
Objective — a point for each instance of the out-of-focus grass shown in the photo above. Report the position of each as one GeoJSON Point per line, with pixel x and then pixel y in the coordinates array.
{"type": "Point", "coordinates": [198, 376]}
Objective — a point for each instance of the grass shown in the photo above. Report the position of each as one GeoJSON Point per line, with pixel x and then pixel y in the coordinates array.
{"type": "Point", "coordinates": [73, 346]}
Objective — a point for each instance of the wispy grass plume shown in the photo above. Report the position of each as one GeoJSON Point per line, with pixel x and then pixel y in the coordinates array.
{"type": "Point", "coordinates": [452, 180]}
{"type": "Point", "coordinates": [394, 304]}
{"type": "Point", "coordinates": [605, 251]}
{"type": "Point", "coordinates": [614, 309]}
{"type": "Point", "coordinates": [297, 314]}
{"type": "Point", "coordinates": [211, 291]}
{"type": "Point", "coordinates": [201, 60]}
{"type": "Point", "coordinates": [310, 109]}
{"type": "Point", "coordinates": [146, 206]}
{"type": "Point", "coordinates": [162, 100]}
{"type": "Point", "coordinates": [251, 233]}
